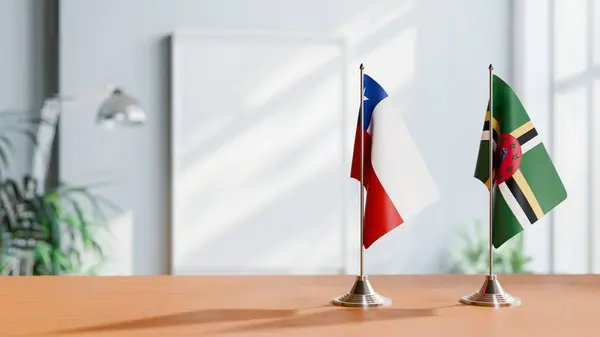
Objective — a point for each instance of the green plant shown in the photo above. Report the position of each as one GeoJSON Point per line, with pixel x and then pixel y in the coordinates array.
{"type": "Point", "coordinates": [64, 225]}
{"type": "Point", "coordinates": [472, 256]}
{"type": "Point", "coordinates": [46, 232]}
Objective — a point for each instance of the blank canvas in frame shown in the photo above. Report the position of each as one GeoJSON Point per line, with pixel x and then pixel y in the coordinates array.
{"type": "Point", "coordinates": [257, 155]}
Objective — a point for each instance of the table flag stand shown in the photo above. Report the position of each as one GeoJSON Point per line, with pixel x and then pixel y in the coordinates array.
{"type": "Point", "coordinates": [362, 293]}
{"type": "Point", "coordinates": [491, 293]}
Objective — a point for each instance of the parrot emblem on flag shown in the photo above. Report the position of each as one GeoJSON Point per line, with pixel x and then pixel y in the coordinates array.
{"type": "Point", "coordinates": [508, 158]}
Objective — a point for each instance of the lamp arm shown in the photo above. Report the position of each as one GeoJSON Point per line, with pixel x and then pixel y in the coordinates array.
{"type": "Point", "coordinates": [46, 132]}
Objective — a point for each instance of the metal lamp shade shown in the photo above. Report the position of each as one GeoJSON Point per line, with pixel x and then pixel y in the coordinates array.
{"type": "Point", "coordinates": [120, 109]}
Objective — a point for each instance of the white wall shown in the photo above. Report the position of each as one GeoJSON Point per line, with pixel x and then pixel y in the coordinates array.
{"type": "Point", "coordinates": [556, 50]}
{"type": "Point", "coordinates": [22, 75]}
{"type": "Point", "coordinates": [532, 82]}
{"type": "Point", "coordinates": [434, 52]}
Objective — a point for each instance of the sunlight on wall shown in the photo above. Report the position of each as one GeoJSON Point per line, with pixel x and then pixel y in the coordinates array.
{"type": "Point", "coordinates": [374, 17]}
{"type": "Point", "coordinates": [392, 65]}
{"type": "Point", "coordinates": [533, 84]}
{"type": "Point", "coordinates": [596, 33]}
{"type": "Point", "coordinates": [595, 183]}
{"type": "Point", "coordinates": [573, 147]}
{"type": "Point", "coordinates": [283, 76]}
{"type": "Point", "coordinates": [260, 193]}
{"type": "Point", "coordinates": [262, 160]}
{"type": "Point", "coordinates": [571, 39]}
{"type": "Point", "coordinates": [570, 151]}
{"type": "Point", "coordinates": [260, 164]}
{"type": "Point", "coordinates": [301, 201]}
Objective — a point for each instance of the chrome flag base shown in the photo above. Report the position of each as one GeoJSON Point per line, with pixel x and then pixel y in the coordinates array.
{"type": "Point", "coordinates": [361, 295]}
{"type": "Point", "coordinates": [491, 294]}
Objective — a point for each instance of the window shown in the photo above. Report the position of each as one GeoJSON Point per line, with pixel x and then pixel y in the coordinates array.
{"type": "Point", "coordinates": [557, 72]}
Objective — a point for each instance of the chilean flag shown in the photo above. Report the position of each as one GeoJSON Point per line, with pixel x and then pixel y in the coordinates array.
{"type": "Point", "coordinates": [396, 179]}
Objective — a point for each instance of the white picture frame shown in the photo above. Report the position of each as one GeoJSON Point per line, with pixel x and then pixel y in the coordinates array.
{"type": "Point", "coordinates": [218, 257]}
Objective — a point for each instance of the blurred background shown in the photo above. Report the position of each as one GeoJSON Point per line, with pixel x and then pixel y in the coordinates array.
{"type": "Point", "coordinates": [233, 126]}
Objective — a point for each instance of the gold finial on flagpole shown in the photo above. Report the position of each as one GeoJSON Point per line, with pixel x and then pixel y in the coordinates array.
{"type": "Point", "coordinates": [362, 293]}
{"type": "Point", "coordinates": [491, 293]}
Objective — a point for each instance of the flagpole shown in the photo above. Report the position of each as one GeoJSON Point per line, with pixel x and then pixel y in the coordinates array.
{"type": "Point", "coordinates": [362, 169]}
{"type": "Point", "coordinates": [491, 148]}
{"type": "Point", "coordinates": [491, 293]}
{"type": "Point", "coordinates": [362, 293]}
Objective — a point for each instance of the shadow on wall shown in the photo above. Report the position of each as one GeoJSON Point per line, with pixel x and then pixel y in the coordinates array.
{"type": "Point", "coordinates": [280, 205]}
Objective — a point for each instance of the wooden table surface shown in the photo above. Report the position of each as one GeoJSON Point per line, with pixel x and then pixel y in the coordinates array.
{"type": "Point", "coordinates": [292, 306]}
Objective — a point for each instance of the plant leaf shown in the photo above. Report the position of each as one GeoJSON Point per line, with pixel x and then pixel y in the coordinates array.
{"type": "Point", "coordinates": [43, 252]}
{"type": "Point", "coordinates": [7, 148]}
{"type": "Point", "coordinates": [88, 241]}
{"type": "Point", "coordinates": [94, 198]}
{"type": "Point", "coordinates": [4, 157]}
{"type": "Point", "coordinates": [4, 139]}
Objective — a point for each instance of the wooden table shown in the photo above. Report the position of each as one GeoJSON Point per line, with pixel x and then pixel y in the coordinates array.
{"type": "Point", "coordinates": [169, 306]}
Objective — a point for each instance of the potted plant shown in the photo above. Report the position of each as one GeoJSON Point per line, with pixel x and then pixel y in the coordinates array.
{"type": "Point", "coordinates": [45, 232]}
{"type": "Point", "coordinates": [472, 255]}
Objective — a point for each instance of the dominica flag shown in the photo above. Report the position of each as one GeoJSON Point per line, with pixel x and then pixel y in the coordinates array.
{"type": "Point", "coordinates": [525, 184]}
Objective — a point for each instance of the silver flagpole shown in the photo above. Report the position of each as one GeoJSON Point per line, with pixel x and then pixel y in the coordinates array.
{"type": "Point", "coordinates": [362, 169]}
{"type": "Point", "coordinates": [491, 168]}
{"type": "Point", "coordinates": [491, 293]}
{"type": "Point", "coordinates": [362, 293]}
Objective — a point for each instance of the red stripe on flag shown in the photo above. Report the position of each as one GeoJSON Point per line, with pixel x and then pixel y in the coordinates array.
{"type": "Point", "coordinates": [381, 216]}
{"type": "Point", "coordinates": [355, 170]}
